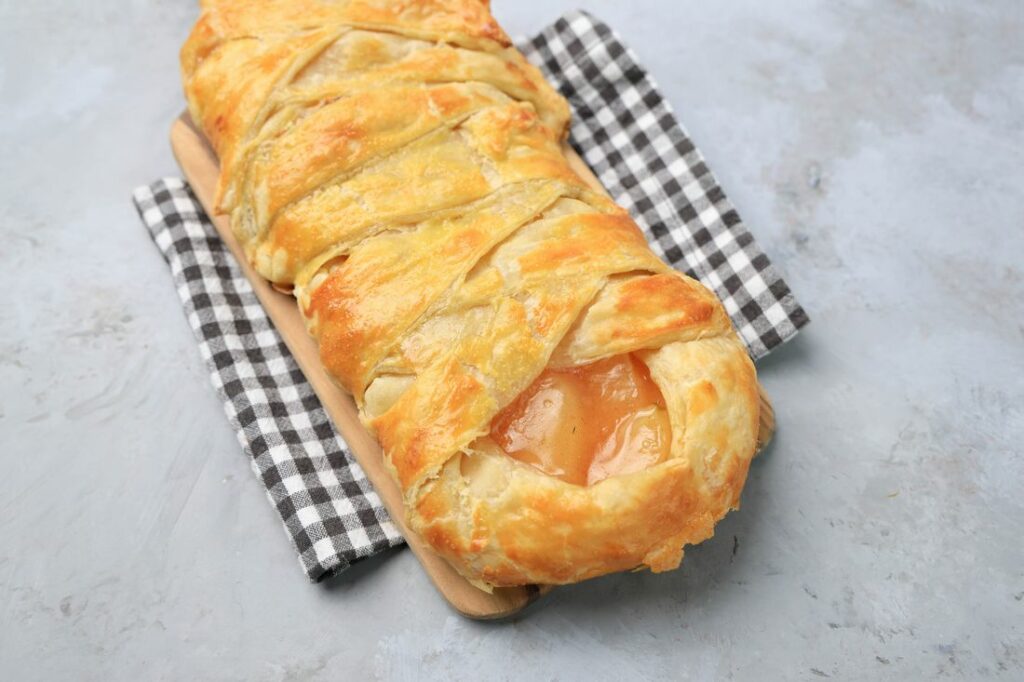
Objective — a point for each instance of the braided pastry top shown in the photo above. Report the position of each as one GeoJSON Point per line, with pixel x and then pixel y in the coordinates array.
{"type": "Point", "coordinates": [401, 166]}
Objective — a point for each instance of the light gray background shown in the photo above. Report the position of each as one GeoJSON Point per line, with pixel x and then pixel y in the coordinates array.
{"type": "Point", "coordinates": [876, 149]}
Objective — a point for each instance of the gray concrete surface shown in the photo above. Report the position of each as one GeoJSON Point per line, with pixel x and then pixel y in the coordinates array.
{"type": "Point", "coordinates": [877, 151]}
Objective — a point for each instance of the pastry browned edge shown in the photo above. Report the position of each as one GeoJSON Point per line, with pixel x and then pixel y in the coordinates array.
{"type": "Point", "coordinates": [399, 164]}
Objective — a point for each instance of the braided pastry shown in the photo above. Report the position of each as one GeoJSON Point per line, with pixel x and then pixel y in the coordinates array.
{"type": "Point", "coordinates": [555, 402]}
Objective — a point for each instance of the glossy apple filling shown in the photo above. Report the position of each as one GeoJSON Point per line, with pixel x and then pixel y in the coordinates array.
{"type": "Point", "coordinates": [587, 423]}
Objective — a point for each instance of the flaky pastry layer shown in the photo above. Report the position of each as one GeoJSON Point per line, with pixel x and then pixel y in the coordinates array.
{"type": "Point", "coordinates": [401, 166]}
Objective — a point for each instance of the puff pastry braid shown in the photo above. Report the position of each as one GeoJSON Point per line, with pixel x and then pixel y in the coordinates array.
{"type": "Point", "coordinates": [400, 165]}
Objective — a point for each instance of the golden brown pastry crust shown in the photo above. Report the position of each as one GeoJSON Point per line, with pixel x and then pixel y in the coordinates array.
{"type": "Point", "coordinates": [401, 166]}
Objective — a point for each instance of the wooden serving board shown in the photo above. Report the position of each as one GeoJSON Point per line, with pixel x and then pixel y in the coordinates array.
{"type": "Point", "coordinates": [201, 168]}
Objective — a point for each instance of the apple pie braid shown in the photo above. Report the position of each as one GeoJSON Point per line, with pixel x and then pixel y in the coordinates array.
{"type": "Point", "coordinates": [555, 401]}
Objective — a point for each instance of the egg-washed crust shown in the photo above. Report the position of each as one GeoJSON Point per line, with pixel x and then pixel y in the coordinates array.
{"type": "Point", "coordinates": [401, 166]}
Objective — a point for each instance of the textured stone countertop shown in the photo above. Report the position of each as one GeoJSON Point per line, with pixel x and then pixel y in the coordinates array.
{"type": "Point", "coordinates": [876, 150]}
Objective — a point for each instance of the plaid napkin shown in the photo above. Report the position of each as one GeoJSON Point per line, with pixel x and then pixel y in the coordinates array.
{"type": "Point", "coordinates": [626, 132]}
{"type": "Point", "coordinates": [328, 507]}
{"type": "Point", "coordinates": [628, 135]}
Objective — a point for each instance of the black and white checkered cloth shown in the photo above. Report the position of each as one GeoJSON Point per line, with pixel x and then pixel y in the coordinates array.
{"type": "Point", "coordinates": [629, 136]}
{"type": "Point", "coordinates": [328, 507]}
{"type": "Point", "coordinates": [627, 133]}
